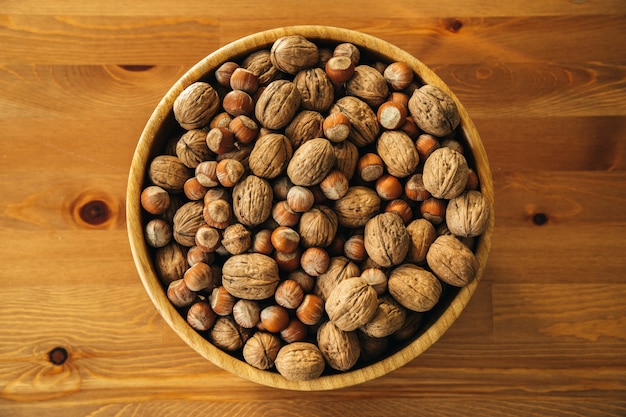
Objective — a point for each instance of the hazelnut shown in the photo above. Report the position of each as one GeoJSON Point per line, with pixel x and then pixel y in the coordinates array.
{"type": "Point", "coordinates": [288, 262]}
{"type": "Point", "coordinates": [261, 242]}
{"type": "Point", "coordinates": [154, 199]}
{"type": "Point", "coordinates": [285, 239]}
{"type": "Point", "coordinates": [238, 102]}
{"type": "Point", "coordinates": [281, 187]}
{"type": "Point", "coordinates": [222, 119]}
{"type": "Point", "coordinates": [217, 213]}
{"type": "Point", "coordinates": [410, 128]}
{"type": "Point", "coordinates": [391, 115]}
{"type": "Point", "coordinates": [305, 280]}
{"type": "Point", "coordinates": [334, 185]}
{"type": "Point", "coordinates": [314, 261]}
{"type": "Point", "coordinates": [399, 98]}
{"type": "Point", "coordinates": [224, 72]}
{"type": "Point", "coordinates": [193, 189]}
{"type": "Point", "coordinates": [208, 238]}
{"type": "Point", "coordinates": [289, 294]}
{"type": "Point", "coordinates": [370, 167]}
{"type": "Point", "coordinates": [220, 140]}
{"type": "Point", "coordinates": [206, 173]}
{"type": "Point", "coordinates": [247, 313]}
{"type": "Point", "coordinates": [158, 233]}
{"type": "Point", "coordinates": [244, 128]}
{"type": "Point", "coordinates": [350, 50]}
{"type": "Point", "coordinates": [388, 187]}
{"type": "Point", "coordinates": [229, 172]}
{"type": "Point", "coordinates": [200, 316]}
{"type": "Point", "coordinates": [399, 75]}
{"type": "Point", "coordinates": [294, 332]}
{"type": "Point", "coordinates": [354, 248]}
{"type": "Point", "coordinates": [222, 302]}
{"type": "Point", "coordinates": [414, 188]}
{"type": "Point", "coordinates": [195, 254]}
{"type": "Point", "coordinates": [425, 145]}
{"type": "Point", "coordinates": [433, 210]}
{"type": "Point", "coordinates": [274, 318]}
{"type": "Point", "coordinates": [179, 294]}
{"type": "Point", "coordinates": [339, 69]}
{"type": "Point", "coordinates": [472, 180]}
{"type": "Point", "coordinates": [284, 215]}
{"type": "Point", "coordinates": [402, 208]}
{"type": "Point", "coordinates": [376, 278]}
{"type": "Point", "coordinates": [336, 127]}
{"type": "Point", "coordinates": [310, 310]}
{"type": "Point", "coordinates": [300, 199]}
{"type": "Point", "coordinates": [245, 80]}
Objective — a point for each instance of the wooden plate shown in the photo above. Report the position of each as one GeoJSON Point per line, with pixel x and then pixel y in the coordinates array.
{"type": "Point", "coordinates": [152, 141]}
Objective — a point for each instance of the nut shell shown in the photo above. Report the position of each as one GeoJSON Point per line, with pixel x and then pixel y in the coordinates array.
{"type": "Point", "coordinates": [318, 227]}
{"type": "Point", "coordinates": [468, 214]}
{"type": "Point", "coordinates": [414, 287]}
{"type": "Point", "coordinates": [351, 304]}
{"type": "Point", "coordinates": [445, 173]}
{"type": "Point", "coordinates": [311, 162]}
{"type": "Point", "coordinates": [196, 105]}
{"type": "Point", "coordinates": [316, 89]}
{"type": "Point", "coordinates": [252, 200]}
{"type": "Point", "coordinates": [270, 155]}
{"type": "Point", "coordinates": [452, 261]}
{"type": "Point", "coordinates": [339, 269]}
{"type": "Point", "coordinates": [186, 223]}
{"type": "Point", "coordinates": [389, 318]}
{"type": "Point", "coordinates": [300, 361]}
{"type": "Point", "coordinates": [398, 152]}
{"type": "Point", "coordinates": [434, 111]}
{"type": "Point", "coordinates": [277, 104]}
{"type": "Point", "coordinates": [340, 349]}
{"type": "Point", "coordinates": [293, 53]}
{"type": "Point", "coordinates": [261, 350]}
{"type": "Point", "coordinates": [252, 276]}
{"type": "Point", "coordinates": [357, 206]}
{"type": "Point", "coordinates": [363, 121]}
{"type": "Point", "coordinates": [169, 173]}
{"type": "Point", "coordinates": [422, 234]}
{"type": "Point", "coordinates": [368, 84]}
{"type": "Point", "coordinates": [386, 239]}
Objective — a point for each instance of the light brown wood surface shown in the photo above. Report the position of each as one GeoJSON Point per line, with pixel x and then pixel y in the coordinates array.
{"type": "Point", "coordinates": [544, 334]}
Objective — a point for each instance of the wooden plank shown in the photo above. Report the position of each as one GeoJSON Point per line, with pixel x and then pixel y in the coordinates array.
{"type": "Point", "coordinates": [284, 9]}
{"type": "Point", "coordinates": [437, 41]}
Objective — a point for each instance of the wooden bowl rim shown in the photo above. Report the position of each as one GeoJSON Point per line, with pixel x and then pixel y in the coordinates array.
{"type": "Point", "coordinates": [144, 265]}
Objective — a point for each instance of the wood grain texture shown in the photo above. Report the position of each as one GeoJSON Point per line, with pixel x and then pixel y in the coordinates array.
{"type": "Point", "coordinates": [545, 83]}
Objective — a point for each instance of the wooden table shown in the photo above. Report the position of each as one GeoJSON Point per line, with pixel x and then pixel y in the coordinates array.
{"type": "Point", "coordinates": [545, 334]}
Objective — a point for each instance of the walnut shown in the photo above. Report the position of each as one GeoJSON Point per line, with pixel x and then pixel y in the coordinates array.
{"type": "Point", "coordinates": [316, 90]}
{"type": "Point", "coordinates": [346, 158]}
{"type": "Point", "coordinates": [452, 261]}
{"type": "Point", "coordinates": [196, 105]}
{"type": "Point", "coordinates": [228, 335]}
{"type": "Point", "coordinates": [300, 361]}
{"type": "Point", "coordinates": [388, 319]}
{"type": "Point", "coordinates": [317, 227]}
{"type": "Point", "coordinates": [364, 124]}
{"type": "Point", "coordinates": [305, 126]}
{"type": "Point", "coordinates": [311, 162]}
{"type": "Point", "coordinates": [386, 239]}
{"type": "Point", "coordinates": [187, 221]}
{"type": "Point", "coordinates": [467, 215]}
{"type": "Point", "coordinates": [252, 200]}
{"type": "Point", "coordinates": [260, 64]}
{"type": "Point", "coordinates": [169, 173]}
{"type": "Point", "coordinates": [270, 155]}
{"type": "Point", "coordinates": [293, 53]}
{"type": "Point", "coordinates": [261, 350]}
{"type": "Point", "coordinates": [398, 152]}
{"type": "Point", "coordinates": [277, 104]}
{"type": "Point", "coordinates": [422, 234]}
{"type": "Point", "coordinates": [411, 325]}
{"type": "Point", "coordinates": [192, 148]}
{"type": "Point", "coordinates": [252, 276]}
{"type": "Point", "coordinates": [340, 349]}
{"type": "Point", "coordinates": [414, 287]}
{"type": "Point", "coordinates": [445, 173]}
{"type": "Point", "coordinates": [236, 239]}
{"type": "Point", "coordinates": [369, 85]}
{"type": "Point", "coordinates": [340, 268]}
{"type": "Point", "coordinates": [434, 111]}
{"type": "Point", "coordinates": [357, 206]}
{"type": "Point", "coordinates": [171, 262]}
{"type": "Point", "coordinates": [351, 304]}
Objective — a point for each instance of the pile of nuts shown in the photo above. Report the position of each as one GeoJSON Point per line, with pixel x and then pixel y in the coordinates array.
{"type": "Point", "coordinates": [313, 207]}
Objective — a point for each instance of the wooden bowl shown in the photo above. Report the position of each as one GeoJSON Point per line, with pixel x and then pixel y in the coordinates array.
{"type": "Point", "coordinates": [152, 142]}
